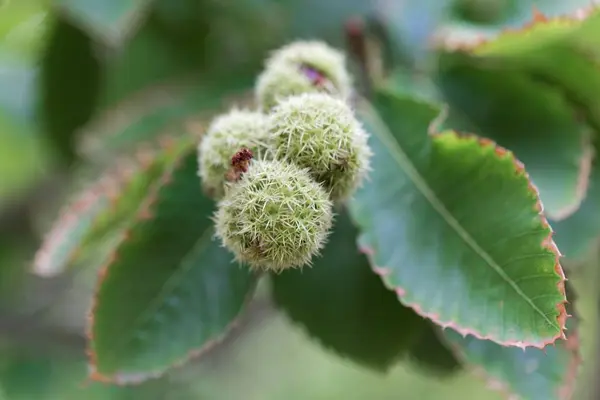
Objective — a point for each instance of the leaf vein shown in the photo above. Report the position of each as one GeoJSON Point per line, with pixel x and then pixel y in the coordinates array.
{"type": "Point", "coordinates": [417, 179]}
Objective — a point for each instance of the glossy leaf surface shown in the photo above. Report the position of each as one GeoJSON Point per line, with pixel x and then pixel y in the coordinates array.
{"type": "Point", "coordinates": [532, 119]}
{"type": "Point", "coordinates": [534, 50]}
{"type": "Point", "coordinates": [455, 228]}
{"type": "Point", "coordinates": [170, 290]}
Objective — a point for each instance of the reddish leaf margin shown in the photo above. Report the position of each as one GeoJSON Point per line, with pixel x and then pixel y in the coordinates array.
{"type": "Point", "coordinates": [547, 243]}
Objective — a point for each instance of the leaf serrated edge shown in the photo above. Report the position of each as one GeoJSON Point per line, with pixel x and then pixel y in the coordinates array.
{"type": "Point", "coordinates": [445, 41]}
{"type": "Point", "coordinates": [145, 213]}
{"type": "Point", "coordinates": [585, 164]}
{"type": "Point", "coordinates": [135, 379]}
{"type": "Point", "coordinates": [547, 243]}
{"type": "Point", "coordinates": [109, 186]}
{"type": "Point", "coordinates": [565, 391]}
{"type": "Point", "coordinates": [56, 236]}
{"type": "Point", "coordinates": [106, 188]}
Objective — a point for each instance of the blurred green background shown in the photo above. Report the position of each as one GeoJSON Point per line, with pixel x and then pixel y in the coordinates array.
{"type": "Point", "coordinates": [92, 66]}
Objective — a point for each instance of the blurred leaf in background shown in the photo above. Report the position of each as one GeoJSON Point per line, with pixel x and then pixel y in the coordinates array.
{"type": "Point", "coordinates": [347, 303]}
{"type": "Point", "coordinates": [110, 20]}
{"type": "Point", "coordinates": [24, 157]}
{"type": "Point", "coordinates": [69, 85]}
{"type": "Point", "coordinates": [22, 27]}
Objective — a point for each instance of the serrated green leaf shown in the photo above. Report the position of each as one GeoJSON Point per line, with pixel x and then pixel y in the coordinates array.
{"type": "Point", "coordinates": [101, 212]}
{"type": "Point", "coordinates": [105, 209]}
{"type": "Point", "coordinates": [576, 235]}
{"type": "Point", "coordinates": [345, 306]}
{"type": "Point", "coordinates": [500, 14]}
{"type": "Point", "coordinates": [456, 229]}
{"type": "Point", "coordinates": [532, 374]}
{"type": "Point", "coordinates": [509, 15]}
{"type": "Point", "coordinates": [170, 290]}
{"type": "Point", "coordinates": [535, 48]}
{"type": "Point", "coordinates": [110, 20]}
{"type": "Point", "coordinates": [133, 179]}
{"type": "Point", "coordinates": [68, 232]}
{"type": "Point", "coordinates": [530, 118]}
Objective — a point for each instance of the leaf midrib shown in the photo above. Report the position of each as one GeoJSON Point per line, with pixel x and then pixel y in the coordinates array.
{"type": "Point", "coordinates": [417, 179]}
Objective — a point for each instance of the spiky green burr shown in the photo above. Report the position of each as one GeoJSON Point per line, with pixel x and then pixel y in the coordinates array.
{"type": "Point", "coordinates": [320, 133]}
{"type": "Point", "coordinates": [274, 217]}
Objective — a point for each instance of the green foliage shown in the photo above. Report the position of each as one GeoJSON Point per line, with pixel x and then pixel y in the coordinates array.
{"type": "Point", "coordinates": [28, 373]}
{"type": "Point", "coordinates": [166, 268]}
{"type": "Point", "coordinates": [22, 159]}
{"type": "Point", "coordinates": [424, 238]}
{"type": "Point", "coordinates": [533, 373]}
{"type": "Point", "coordinates": [18, 96]}
{"type": "Point", "coordinates": [70, 81]}
{"type": "Point", "coordinates": [22, 154]}
{"type": "Point", "coordinates": [481, 11]}
{"type": "Point", "coordinates": [22, 27]}
{"type": "Point", "coordinates": [110, 20]}
{"type": "Point", "coordinates": [340, 302]}
{"type": "Point", "coordinates": [432, 355]}
{"type": "Point", "coordinates": [486, 81]}
{"type": "Point", "coordinates": [100, 212]}
{"type": "Point", "coordinates": [530, 118]}
{"type": "Point", "coordinates": [534, 50]}
{"type": "Point", "coordinates": [160, 113]}
{"type": "Point", "coordinates": [442, 180]}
